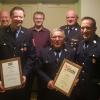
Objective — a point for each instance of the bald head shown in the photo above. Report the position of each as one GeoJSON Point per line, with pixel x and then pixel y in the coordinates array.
{"type": "Point", "coordinates": [71, 17]}
{"type": "Point", "coordinates": [4, 18]}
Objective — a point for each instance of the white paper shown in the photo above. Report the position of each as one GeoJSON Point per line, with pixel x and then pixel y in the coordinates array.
{"type": "Point", "coordinates": [11, 74]}
{"type": "Point", "coordinates": [66, 77]}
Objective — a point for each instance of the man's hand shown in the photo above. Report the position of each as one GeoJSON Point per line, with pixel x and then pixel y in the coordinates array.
{"type": "Point", "coordinates": [1, 87]}
{"type": "Point", "coordinates": [51, 85]}
{"type": "Point", "coordinates": [23, 80]}
{"type": "Point", "coordinates": [76, 81]}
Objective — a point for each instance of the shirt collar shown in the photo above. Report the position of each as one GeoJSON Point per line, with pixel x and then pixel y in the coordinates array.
{"type": "Point", "coordinates": [34, 29]}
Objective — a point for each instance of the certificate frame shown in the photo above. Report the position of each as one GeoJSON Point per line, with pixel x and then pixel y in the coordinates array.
{"type": "Point", "coordinates": [65, 79]}
{"type": "Point", "coordinates": [11, 73]}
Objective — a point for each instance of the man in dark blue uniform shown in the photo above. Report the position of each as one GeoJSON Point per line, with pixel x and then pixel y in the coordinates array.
{"type": "Point", "coordinates": [72, 29]}
{"type": "Point", "coordinates": [88, 56]}
{"type": "Point", "coordinates": [50, 59]}
{"type": "Point", "coordinates": [15, 41]}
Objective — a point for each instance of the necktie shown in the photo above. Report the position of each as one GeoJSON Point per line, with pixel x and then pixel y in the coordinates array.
{"type": "Point", "coordinates": [69, 30]}
{"type": "Point", "coordinates": [57, 56]}
{"type": "Point", "coordinates": [86, 45]}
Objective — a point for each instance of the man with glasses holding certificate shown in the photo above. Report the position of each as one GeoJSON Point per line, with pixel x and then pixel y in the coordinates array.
{"type": "Point", "coordinates": [88, 56]}
{"type": "Point", "coordinates": [50, 59]}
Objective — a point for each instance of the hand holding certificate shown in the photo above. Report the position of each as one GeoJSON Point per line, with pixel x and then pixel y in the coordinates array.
{"type": "Point", "coordinates": [67, 76]}
{"type": "Point", "coordinates": [11, 73]}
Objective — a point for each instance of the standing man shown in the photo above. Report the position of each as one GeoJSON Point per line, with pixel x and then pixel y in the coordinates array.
{"type": "Point", "coordinates": [51, 58]}
{"type": "Point", "coordinates": [40, 37]}
{"type": "Point", "coordinates": [4, 18]}
{"type": "Point", "coordinates": [88, 56]}
{"type": "Point", "coordinates": [72, 29]}
{"type": "Point", "coordinates": [40, 34]}
{"type": "Point", "coordinates": [15, 42]}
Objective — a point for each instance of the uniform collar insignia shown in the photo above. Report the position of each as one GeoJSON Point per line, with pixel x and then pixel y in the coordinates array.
{"type": "Point", "coordinates": [76, 29]}
{"type": "Point", "coordinates": [94, 41]}
{"type": "Point", "coordinates": [50, 49]}
{"type": "Point", "coordinates": [4, 44]}
{"type": "Point", "coordinates": [22, 31]}
{"type": "Point", "coordinates": [65, 50]}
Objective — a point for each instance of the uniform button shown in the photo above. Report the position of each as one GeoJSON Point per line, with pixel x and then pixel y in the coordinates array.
{"type": "Point", "coordinates": [74, 49]}
{"type": "Point", "coordinates": [83, 63]}
{"type": "Point", "coordinates": [71, 43]}
{"type": "Point", "coordinates": [98, 83]}
{"type": "Point", "coordinates": [4, 44]}
{"type": "Point", "coordinates": [75, 43]}
{"type": "Point", "coordinates": [14, 48]}
{"type": "Point", "coordinates": [83, 79]}
{"type": "Point", "coordinates": [83, 71]}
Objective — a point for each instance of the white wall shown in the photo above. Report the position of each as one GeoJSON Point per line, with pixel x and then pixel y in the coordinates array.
{"type": "Point", "coordinates": [91, 8]}
{"type": "Point", "coordinates": [55, 13]}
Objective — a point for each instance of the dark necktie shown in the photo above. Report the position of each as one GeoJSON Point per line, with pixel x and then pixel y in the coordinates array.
{"type": "Point", "coordinates": [85, 45]}
{"type": "Point", "coordinates": [57, 56]}
{"type": "Point", "coordinates": [69, 30]}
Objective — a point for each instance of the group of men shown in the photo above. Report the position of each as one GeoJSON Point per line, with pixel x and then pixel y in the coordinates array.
{"type": "Point", "coordinates": [42, 52]}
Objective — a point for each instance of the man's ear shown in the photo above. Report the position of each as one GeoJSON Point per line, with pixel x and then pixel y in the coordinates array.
{"type": "Point", "coordinates": [95, 28]}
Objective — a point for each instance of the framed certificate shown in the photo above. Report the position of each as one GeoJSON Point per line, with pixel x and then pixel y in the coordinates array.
{"type": "Point", "coordinates": [11, 73]}
{"type": "Point", "coordinates": [66, 77]}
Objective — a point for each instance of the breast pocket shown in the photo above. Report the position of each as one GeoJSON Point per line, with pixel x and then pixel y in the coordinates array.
{"type": "Point", "coordinates": [5, 51]}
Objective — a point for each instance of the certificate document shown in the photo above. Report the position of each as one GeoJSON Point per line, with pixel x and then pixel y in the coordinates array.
{"type": "Point", "coordinates": [66, 76]}
{"type": "Point", "coordinates": [11, 73]}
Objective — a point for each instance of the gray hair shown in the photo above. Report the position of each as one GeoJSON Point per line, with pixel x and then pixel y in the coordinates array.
{"type": "Point", "coordinates": [57, 30]}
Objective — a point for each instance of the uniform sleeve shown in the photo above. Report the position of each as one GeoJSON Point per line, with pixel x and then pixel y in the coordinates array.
{"type": "Point", "coordinates": [29, 62]}
{"type": "Point", "coordinates": [30, 56]}
{"type": "Point", "coordinates": [40, 70]}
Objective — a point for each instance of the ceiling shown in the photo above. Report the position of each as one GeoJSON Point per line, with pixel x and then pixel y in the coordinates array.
{"type": "Point", "coordinates": [38, 1]}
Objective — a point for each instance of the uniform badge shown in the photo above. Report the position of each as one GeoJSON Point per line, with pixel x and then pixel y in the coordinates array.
{"type": "Point", "coordinates": [94, 41]}
{"type": "Point", "coordinates": [22, 31]}
{"type": "Point", "coordinates": [93, 59]}
{"type": "Point", "coordinates": [65, 50]}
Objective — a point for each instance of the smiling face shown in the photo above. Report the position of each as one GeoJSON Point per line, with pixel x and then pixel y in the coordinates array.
{"type": "Point", "coordinates": [17, 18]}
{"type": "Point", "coordinates": [57, 39]}
{"type": "Point", "coordinates": [71, 17]}
{"type": "Point", "coordinates": [87, 29]}
{"type": "Point", "coordinates": [4, 18]}
{"type": "Point", "coordinates": [38, 19]}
